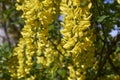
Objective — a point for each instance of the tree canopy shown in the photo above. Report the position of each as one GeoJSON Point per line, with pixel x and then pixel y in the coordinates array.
{"type": "Point", "coordinates": [66, 40]}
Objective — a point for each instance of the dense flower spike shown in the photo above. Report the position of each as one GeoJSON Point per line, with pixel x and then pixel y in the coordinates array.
{"type": "Point", "coordinates": [38, 47]}
{"type": "Point", "coordinates": [38, 14]}
{"type": "Point", "coordinates": [77, 41]}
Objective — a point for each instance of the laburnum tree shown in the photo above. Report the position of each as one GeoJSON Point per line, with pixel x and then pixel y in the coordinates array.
{"type": "Point", "coordinates": [77, 46]}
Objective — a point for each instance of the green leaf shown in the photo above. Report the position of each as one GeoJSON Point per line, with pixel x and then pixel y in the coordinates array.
{"type": "Point", "coordinates": [62, 73]}
{"type": "Point", "coordinates": [101, 18]}
{"type": "Point", "coordinates": [38, 66]}
{"type": "Point", "coordinates": [54, 71]}
{"type": "Point", "coordinates": [1, 75]}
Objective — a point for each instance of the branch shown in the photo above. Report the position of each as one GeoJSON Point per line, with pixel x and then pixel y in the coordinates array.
{"type": "Point", "coordinates": [4, 24]}
{"type": "Point", "coordinates": [56, 48]}
{"type": "Point", "coordinates": [111, 49]}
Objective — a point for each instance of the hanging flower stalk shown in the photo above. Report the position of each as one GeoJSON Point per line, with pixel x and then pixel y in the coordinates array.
{"type": "Point", "coordinates": [78, 39]}
{"type": "Point", "coordinates": [38, 14]}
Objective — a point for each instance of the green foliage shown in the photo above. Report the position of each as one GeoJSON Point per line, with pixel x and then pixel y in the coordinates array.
{"type": "Point", "coordinates": [5, 56]}
{"type": "Point", "coordinates": [105, 16]}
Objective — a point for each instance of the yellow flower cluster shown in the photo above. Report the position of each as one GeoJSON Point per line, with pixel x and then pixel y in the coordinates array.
{"type": "Point", "coordinates": [38, 14]}
{"type": "Point", "coordinates": [77, 38]}
{"type": "Point", "coordinates": [35, 46]}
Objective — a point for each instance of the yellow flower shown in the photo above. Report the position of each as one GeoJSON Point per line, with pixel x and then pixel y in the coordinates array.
{"type": "Point", "coordinates": [70, 43]}
{"type": "Point", "coordinates": [36, 42]}
{"type": "Point", "coordinates": [118, 1]}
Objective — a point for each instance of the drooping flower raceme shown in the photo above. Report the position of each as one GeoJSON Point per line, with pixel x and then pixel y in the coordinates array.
{"type": "Point", "coordinates": [77, 38]}
{"type": "Point", "coordinates": [38, 14]}
{"type": "Point", "coordinates": [72, 53]}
